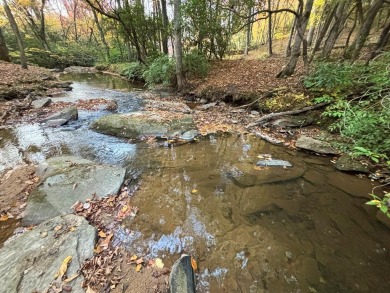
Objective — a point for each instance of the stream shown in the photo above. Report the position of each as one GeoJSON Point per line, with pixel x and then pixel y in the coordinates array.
{"type": "Point", "coordinates": [308, 233]}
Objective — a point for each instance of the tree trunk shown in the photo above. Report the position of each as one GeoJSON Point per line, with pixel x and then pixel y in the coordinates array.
{"type": "Point", "coordinates": [340, 18]}
{"type": "Point", "coordinates": [364, 31]}
{"type": "Point", "coordinates": [302, 21]}
{"type": "Point", "coordinates": [290, 38]}
{"type": "Point", "coordinates": [3, 48]}
{"type": "Point", "coordinates": [178, 45]}
{"type": "Point", "coordinates": [382, 42]}
{"type": "Point", "coordinates": [269, 29]}
{"type": "Point", "coordinates": [323, 31]}
{"type": "Point", "coordinates": [102, 36]}
{"type": "Point", "coordinates": [15, 29]}
{"type": "Point", "coordinates": [164, 31]}
{"type": "Point", "coordinates": [248, 32]}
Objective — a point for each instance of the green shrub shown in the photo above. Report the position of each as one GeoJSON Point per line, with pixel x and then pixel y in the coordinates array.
{"type": "Point", "coordinates": [195, 64]}
{"type": "Point", "coordinates": [160, 71]}
{"type": "Point", "coordinates": [134, 71]}
{"type": "Point", "coordinates": [361, 108]}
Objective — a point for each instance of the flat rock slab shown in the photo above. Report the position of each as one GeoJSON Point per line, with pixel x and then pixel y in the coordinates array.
{"type": "Point", "coordinates": [41, 103]}
{"type": "Point", "coordinates": [80, 69]}
{"type": "Point", "coordinates": [30, 262]}
{"type": "Point", "coordinates": [67, 180]}
{"type": "Point", "coordinates": [136, 124]}
{"type": "Point", "coordinates": [168, 106]}
{"type": "Point", "coordinates": [348, 164]}
{"type": "Point", "coordinates": [66, 114]}
{"type": "Point", "coordinates": [245, 175]}
{"type": "Point", "coordinates": [273, 163]}
{"type": "Point", "coordinates": [315, 145]}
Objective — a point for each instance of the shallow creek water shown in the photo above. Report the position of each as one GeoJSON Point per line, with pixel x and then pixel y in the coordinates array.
{"type": "Point", "coordinates": [312, 233]}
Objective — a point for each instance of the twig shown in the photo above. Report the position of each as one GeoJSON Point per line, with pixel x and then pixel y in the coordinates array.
{"type": "Point", "coordinates": [258, 99]}
{"type": "Point", "coordinates": [292, 112]}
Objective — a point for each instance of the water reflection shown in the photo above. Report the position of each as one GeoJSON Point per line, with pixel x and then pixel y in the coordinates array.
{"type": "Point", "coordinates": [311, 233]}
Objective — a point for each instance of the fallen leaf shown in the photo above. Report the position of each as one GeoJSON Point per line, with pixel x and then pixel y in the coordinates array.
{"type": "Point", "coordinates": [158, 263]}
{"type": "Point", "coordinates": [258, 168]}
{"type": "Point", "coordinates": [74, 186]}
{"type": "Point", "coordinates": [102, 234]}
{"type": "Point", "coordinates": [194, 191]}
{"type": "Point", "coordinates": [125, 208]}
{"type": "Point", "coordinates": [138, 267]}
{"type": "Point", "coordinates": [194, 264]}
{"type": "Point", "coordinates": [71, 229]}
{"type": "Point", "coordinates": [64, 267]}
{"type": "Point", "coordinates": [3, 218]}
{"type": "Point", "coordinates": [139, 261]}
{"type": "Point", "coordinates": [90, 290]}
{"type": "Point", "coordinates": [104, 244]}
{"type": "Point", "coordinates": [57, 228]}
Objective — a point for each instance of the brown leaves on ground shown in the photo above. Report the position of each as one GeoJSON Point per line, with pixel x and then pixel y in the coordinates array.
{"type": "Point", "coordinates": [15, 186]}
{"type": "Point", "coordinates": [238, 77]}
{"type": "Point", "coordinates": [12, 74]}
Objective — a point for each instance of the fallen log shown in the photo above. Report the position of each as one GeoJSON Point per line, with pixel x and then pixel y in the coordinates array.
{"type": "Point", "coordinates": [268, 138]}
{"type": "Point", "coordinates": [291, 112]}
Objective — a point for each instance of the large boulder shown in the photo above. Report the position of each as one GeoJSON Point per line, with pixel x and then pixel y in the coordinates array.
{"type": "Point", "coordinates": [348, 164]}
{"type": "Point", "coordinates": [135, 124]}
{"type": "Point", "coordinates": [315, 145]}
{"type": "Point", "coordinates": [246, 175]}
{"type": "Point", "coordinates": [67, 180]}
{"type": "Point", "coordinates": [29, 263]}
{"type": "Point", "coordinates": [61, 117]}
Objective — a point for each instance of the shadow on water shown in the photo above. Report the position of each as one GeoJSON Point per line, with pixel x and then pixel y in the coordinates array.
{"type": "Point", "coordinates": [303, 229]}
{"type": "Point", "coordinates": [311, 233]}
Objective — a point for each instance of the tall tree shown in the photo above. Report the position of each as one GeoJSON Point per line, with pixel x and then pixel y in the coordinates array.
{"type": "Point", "coordinates": [269, 29]}
{"type": "Point", "coordinates": [15, 29]}
{"type": "Point", "coordinates": [302, 21]}
{"type": "Point", "coordinates": [365, 28]}
{"type": "Point", "coordinates": [178, 44]}
{"type": "Point", "coordinates": [3, 48]}
{"type": "Point", "coordinates": [164, 31]}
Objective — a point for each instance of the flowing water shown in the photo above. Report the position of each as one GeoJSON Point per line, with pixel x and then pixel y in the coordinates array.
{"type": "Point", "coordinates": [302, 229]}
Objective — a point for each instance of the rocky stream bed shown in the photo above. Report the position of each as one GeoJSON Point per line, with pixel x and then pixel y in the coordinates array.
{"type": "Point", "coordinates": [105, 186]}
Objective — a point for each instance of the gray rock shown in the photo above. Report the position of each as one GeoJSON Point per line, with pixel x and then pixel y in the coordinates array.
{"type": "Point", "coordinates": [274, 163]}
{"type": "Point", "coordinates": [253, 112]}
{"type": "Point", "coordinates": [67, 114]}
{"type": "Point", "coordinates": [30, 262]}
{"type": "Point", "coordinates": [349, 164]}
{"type": "Point", "coordinates": [56, 122]}
{"type": "Point", "coordinates": [207, 106]}
{"type": "Point", "coordinates": [169, 106]}
{"type": "Point", "coordinates": [315, 145]}
{"type": "Point", "coordinates": [80, 69]}
{"type": "Point", "coordinates": [190, 135]}
{"type": "Point", "coordinates": [244, 175]}
{"type": "Point", "coordinates": [291, 122]}
{"type": "Point", "coordinates": [135, 124]}
{"type": "Point", "coordinates": [182, 277]}
{"type": "Point", "coordinates": [67, 180]}
{"type": "Point", "coordinates": [41, 103]}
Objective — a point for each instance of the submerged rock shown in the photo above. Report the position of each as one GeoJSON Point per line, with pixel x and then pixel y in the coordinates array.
{"type": "Point", "coordinates": [315, 145]}
{"type": "Point", "coordinates": [135, 124]}
{"type": "Point", "coordinates": [182, 277]}
{"type": "Point", "coordinates": [67, 180]}
{"type": "Point", "coordinates": [349, 164]}
{"type": "Point", "coordinates": [62, 117]}
{"type": "Point", "coordinates": [29, 263]}
{"type": "Point", "coordinates": [244, 175]}
{"type": "Point", "coordinates": [80, 69]}
{"type": "Point", "coordinates": [274, 163]}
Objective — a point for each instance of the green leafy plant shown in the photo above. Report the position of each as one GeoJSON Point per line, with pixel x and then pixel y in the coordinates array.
{"type": "Point", "coordinates": [381, 203]}
{"type": "Point", "coordinates": [160, 71]}
{"type": "Point", "coordinates": [361, 151]}
{"type": "Point", "coordinates": [195, 64]}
